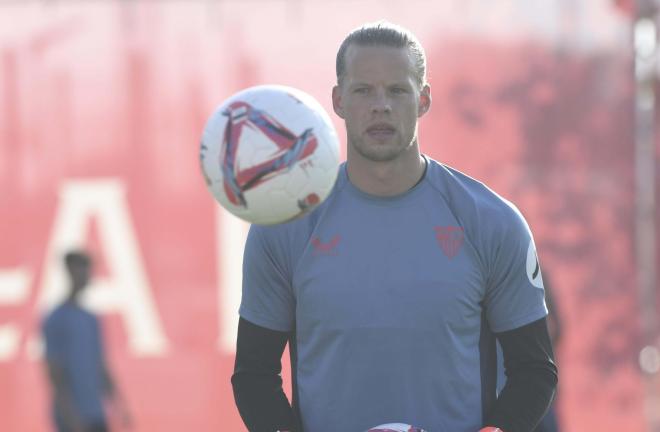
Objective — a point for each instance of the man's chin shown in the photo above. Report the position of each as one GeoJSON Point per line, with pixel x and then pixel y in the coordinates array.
{"type": "Point", "coordinates": [379, 153]}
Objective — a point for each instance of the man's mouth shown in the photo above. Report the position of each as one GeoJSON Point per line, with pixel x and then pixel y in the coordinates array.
{"type": "Point", "coordinates": [381, 130]}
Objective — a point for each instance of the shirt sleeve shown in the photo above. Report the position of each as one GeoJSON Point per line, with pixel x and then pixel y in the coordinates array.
{"type": "Point", "coordinates": [267, 298]}
{"type": "Point", "coordinates": [55, 340]}
{"type": "Point", "coordinates": [514, 292]}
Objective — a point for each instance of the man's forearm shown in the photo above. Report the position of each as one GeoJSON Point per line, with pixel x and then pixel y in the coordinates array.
{"type": "Point", "coordinates": [523, 402]}
{"type": "Point", "coordinates": [66, 408]}
{"type": "Point", "coordinates": [63, 397]}
{"type": "Point", "coordinates": [261, 402]}
{"type": "Point", "coordinates": [531, 378]}
{"type": "Point", "coordinates": [256, 380]}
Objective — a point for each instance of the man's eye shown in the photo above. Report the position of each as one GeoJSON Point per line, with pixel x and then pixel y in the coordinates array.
{"type": "Point", "coordinates": [361, 90]}
{"type": "Point", "coordinates": [399, 90]}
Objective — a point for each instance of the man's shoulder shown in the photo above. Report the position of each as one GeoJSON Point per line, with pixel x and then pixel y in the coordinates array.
{"type": "Point", "coordinates": [470, 197]}
{"type": "Point", "coordinates": [55, 319]}
{"type": "Point", "coordinates": [66, 312]}
{"type": "Point", "coordinates": [57, 312]}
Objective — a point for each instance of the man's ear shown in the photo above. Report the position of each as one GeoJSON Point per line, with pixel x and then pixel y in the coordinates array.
{"type": "Point", "coordinates": [424, 100]}
{"type": "Point", "coordinates": [337, 102]}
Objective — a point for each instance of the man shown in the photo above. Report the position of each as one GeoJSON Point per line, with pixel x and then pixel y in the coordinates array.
{"type": "Point", "coordinates": [391, 293]}
{"type": "Point", "coordinates": [78, 372]}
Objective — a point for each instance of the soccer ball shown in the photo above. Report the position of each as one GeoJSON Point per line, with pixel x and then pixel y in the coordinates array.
{"type": "Point", "coordinates": [269, 154]}
{"type": "Point", "coordinates": [395, 427]}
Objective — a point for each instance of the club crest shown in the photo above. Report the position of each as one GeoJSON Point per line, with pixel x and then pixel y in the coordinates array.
{"type": "Point", "coordinates": [450, 239]}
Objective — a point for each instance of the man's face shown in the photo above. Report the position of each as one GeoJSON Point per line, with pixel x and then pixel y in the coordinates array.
{"type": "Point", "coordinates": [81, 273]}
{"type": "Point", "coordinates": [380, 101]}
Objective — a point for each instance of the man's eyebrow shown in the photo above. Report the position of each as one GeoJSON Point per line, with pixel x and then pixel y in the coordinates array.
{"type": "Point", "coordinates": [400, 84]}
{"type": "Point", "coordinates": [394, 84]}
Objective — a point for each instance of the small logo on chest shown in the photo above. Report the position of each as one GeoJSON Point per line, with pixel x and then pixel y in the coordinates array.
{"type": "Point", "coordinates": [327, 248]}
{"type": "Point", "coordinates": [450, 239]}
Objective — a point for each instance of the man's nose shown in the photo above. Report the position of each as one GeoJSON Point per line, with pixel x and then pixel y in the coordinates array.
{"type": "Point", "coordinates": [381, 103]}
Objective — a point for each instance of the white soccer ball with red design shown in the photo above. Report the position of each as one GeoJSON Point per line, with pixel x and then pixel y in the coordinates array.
{"type": "Point", "coordinates": [395, 427]}
{"type": "Point", "coordinates": [269, 154]}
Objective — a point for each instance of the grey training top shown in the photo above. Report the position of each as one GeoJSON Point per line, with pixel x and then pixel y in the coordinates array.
{"type": "Point", "coordinates": [74, 341]}
{"type": "Point", "coordinates": [394, 301]}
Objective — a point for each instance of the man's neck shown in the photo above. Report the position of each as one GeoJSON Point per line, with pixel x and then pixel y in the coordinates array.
{"type": "Point", "coordinates": [74, 296]}
{"type": "Point", "coordinates": [388, 178]}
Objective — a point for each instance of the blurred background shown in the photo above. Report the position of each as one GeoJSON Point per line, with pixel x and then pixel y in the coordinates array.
{"type": "Point", "coordinates": [102, 103]}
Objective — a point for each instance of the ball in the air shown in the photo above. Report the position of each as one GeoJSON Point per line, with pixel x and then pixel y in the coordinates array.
{"type": "Point", "coordinates": [269, 154]}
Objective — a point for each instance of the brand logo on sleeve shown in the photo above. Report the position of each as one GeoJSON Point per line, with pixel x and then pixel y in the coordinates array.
{"type": "Point", "coordinates": [533, 268]}
{"type": "Point", "coordinates": [450, 239]}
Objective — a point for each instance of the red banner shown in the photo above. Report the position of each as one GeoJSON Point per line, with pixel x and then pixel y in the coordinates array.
{"type": "Point", "coordinates": [101, 109]}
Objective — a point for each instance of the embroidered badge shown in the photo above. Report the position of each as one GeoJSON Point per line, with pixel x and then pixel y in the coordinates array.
{"type": "Point", "coordinates": [450, 239]}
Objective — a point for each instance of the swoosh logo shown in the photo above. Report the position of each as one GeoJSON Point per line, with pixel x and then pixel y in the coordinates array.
{"type": "Point", "coordinates": [536, 270]}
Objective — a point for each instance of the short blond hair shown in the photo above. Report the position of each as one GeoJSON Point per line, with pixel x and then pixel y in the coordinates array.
{"type": "Point", "coordinates": [383, 33]}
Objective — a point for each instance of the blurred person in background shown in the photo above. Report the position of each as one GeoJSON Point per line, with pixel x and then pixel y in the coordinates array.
{"type": "Point", "coordinates": [79, 375]}
{"type": "Point", "coordinates": [393, 291]}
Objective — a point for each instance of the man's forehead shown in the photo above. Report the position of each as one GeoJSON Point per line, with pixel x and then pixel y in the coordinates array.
{"type": "Point", "coordinates": [358, 54]}
{"type": "Point", "coordinates": [367, 59]}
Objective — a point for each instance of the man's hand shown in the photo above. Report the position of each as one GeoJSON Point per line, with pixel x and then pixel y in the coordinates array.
{"type": "Point", "coordinates": [120, 415]}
